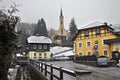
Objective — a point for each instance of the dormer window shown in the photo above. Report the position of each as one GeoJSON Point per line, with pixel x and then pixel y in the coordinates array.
{"type": "Point", "coordinates": [40, 46]}
{"type": "Point", "coordinates": [97, 30]}
{"type": "Point", "coordinates": [86, 32]}
{"type": "Point", "coordinates": [45, 46]}
{"type": "Point", "coordinates": [34, 46]}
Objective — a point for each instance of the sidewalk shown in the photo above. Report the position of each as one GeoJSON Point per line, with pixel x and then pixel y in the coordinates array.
{"type": "Point", "coordinates": [98, 73]}
{"type": "Point", "coordinates": [113, 73]}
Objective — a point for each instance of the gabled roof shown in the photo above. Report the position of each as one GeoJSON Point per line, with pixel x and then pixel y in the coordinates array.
{"type": "Point", "coordinates": [116, 27]}
{"type": "Point", "coordinates": [94, 24]}
{"type": "Point", "coordinates": [39, 39]}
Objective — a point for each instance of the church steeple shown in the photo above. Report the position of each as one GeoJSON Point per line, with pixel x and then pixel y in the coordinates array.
{"type": "Point", "coordinates": [62, 34]}
{"type": "Point", "coordinates": [61, 18]}
{"type": "Point", "coordinates": [61, 12]}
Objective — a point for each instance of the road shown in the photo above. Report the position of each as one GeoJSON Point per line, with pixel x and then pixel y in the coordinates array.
{"type": "Point", "coordinates": [106, 73]}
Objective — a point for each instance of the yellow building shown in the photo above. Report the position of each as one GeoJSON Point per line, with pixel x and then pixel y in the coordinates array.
{"type": "Point", "coordinates": [38, 47]}
{"type": "Point", "coordinates": [91, 40]}
{"type": "Point", "coordinates": [61, 36]}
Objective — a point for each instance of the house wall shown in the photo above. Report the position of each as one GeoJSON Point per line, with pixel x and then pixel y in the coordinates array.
{"type": "Point", "coordinates": [38, 55]}
{"type": "Point", "coordinates": [58, 41]}
{"type": "Point", "coordinates": [38, 51]}
{"type": "Point", "coordinates": [105, 33]}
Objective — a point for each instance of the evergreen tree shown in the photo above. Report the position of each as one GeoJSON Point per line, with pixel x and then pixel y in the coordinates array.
{"type": "Point", "coordinates": [25, 30]}
{"type": "Point", "coordinates": [41, 28]}
{"type": "Point", "coordinates": [51, 32]}
{"type": "Point", "coordinates": [37, 28]}
{"type": "Point", "coordinates": [72, 30]}
{"type": "Point", "coordinates": [7, 40]}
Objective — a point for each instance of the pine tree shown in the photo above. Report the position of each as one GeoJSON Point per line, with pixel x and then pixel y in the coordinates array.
{"type": "Point", "coordinates": [41, 28]}
{"type": "Point", "coordinates": [72, 30]}
{"type": "Point", "coordinates": [25, 30]}
{"type": "Point", "coordinates": [7, 40]}
{"type": "Point", "coordinates": [37, 28]}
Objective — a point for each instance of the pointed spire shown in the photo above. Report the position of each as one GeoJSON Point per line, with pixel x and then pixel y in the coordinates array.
{"type": "Point", "coordinates": [61, 12]}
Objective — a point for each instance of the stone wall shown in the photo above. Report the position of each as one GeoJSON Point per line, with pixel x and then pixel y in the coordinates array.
{"type": "Point", "coordinates": [94, 63]}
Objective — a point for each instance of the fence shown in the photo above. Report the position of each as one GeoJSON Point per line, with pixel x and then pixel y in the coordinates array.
{"type": "Point", "coordinates": [48, 69]}
{"type": "Point", "coordinates": [92, 61]}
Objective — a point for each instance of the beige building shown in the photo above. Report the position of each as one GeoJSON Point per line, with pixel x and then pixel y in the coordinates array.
{"type": "Point", "coordinates": [38, 47]}
{"type": "Point", "coordinates": [61, 36]}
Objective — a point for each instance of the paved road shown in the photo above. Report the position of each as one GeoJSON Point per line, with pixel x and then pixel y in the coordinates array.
{"type": "Point", "coordinates": [107, 73]}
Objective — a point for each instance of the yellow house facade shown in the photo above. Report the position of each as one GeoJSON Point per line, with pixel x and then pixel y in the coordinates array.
{"type": "Point", "coordinates": [90, 40]}
{"type": "Point", "coordinates": [38, 47]}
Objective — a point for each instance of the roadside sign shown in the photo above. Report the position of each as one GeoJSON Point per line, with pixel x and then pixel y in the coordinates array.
{"type": "Point", "coordinates": [95, 47]}
{"type": "Point", "coordinates": [102, 60]}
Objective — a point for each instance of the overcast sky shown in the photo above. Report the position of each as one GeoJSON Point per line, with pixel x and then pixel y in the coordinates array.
{"type": "Point", "coordinates": [84, 11]}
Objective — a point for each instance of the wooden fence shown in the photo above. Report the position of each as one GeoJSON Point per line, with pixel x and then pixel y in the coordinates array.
{"type": "Point", "coordinates": [41, 71]}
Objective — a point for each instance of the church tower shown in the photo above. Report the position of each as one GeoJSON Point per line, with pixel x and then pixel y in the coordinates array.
{"type": "Point", "coordinates": [61, 21]}
{"type": "Point", "coordinates": [62, 34]}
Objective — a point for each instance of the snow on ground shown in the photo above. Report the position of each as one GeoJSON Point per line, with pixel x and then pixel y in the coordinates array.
{"type": "Point", "coordinates": [59, 51]}
{"type": "Point", "coordinates": [12, 73]}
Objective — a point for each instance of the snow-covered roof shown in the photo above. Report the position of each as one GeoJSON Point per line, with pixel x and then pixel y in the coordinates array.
{"type": "Point", "coordinates": [39, 39]}
{"type": "Point", "coordinates": [94, 24]}
{"type": "Point", "coordinates": [18, 54]}
{"type": "Point", "coordinates": [58, 49]}
{"type": "Point", "coordinates": [66, 54]}
{"type": "Point", "coordinates": [116, 27]}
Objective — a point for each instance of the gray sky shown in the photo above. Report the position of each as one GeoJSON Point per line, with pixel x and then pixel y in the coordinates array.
{"type": "Point", "coordinates": [84, 11]}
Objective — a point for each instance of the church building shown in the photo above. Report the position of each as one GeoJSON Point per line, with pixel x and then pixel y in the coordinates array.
{"type": "Point", "coordinates": [61, 36]}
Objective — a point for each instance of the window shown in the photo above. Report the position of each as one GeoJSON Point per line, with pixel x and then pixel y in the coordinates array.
{"type": "Point", "coordinates": [80, 45]}
{"type": "Point", "coordinates": [39, 46]}
{"type": "Point", "coordinates": [97, 30]}
{"type": "Point", "coordinates": [45, 46]}
{"type": "Point", "coordinates": [89, 53]}
{"type": "Point", "coordinates": [61, 22]}
{"type": "Point", "coordinates": [34, 54]}
{"type": "Point", "coordinates": [45, 55]}
{"type": "Point", "coordinates": [103, 42]}
{"type": "Point", "coordinates": [105, 53]}
{"type": "Point", "coordinates": [86, 33]}
{"type": "Point", "coordinates": [80, 54]}
{"type": "Point", "coordinates": [61, 31]}
{"type": "Point", "coordinates": [34, 46]}
{"type": "Point", "coordinates": [88, 44]}
{"type": "Point", "coordinates": [39, 54]}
